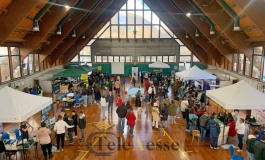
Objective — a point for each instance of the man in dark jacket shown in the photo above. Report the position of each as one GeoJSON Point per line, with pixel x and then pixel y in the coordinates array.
{"type": "Point", "coordinates": [121, 111]}
{"type": "Point", "coordinates": [82, 125]}
{"type": "Point", "coordinates": [214, 129]}
{"type": "Point", "coordinates": [74, 117]}
{"type": "Point", "coordinates": [259, 149]}
{"type": "Point", "coordinates": [250, 145]}
{"type": "Point", "coordinates": [203, 124]}
{"type": "Point", "coordinates": [70, 122]}
{"type": "Point", "coordinates": [110, 100]}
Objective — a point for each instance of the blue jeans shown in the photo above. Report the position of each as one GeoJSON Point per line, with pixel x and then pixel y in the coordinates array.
{"type": "Point", "coordinates": [104, 110]}
{"type": "Point", "coordinates": [121, 122]}
{"type": "Point", "coordinates": [214, 141]}
{"type": "Point", "coordinates": [110, 106]}
{"type": "Point", "coordinates": [83, 133]}
{"type": "Point", "coordinates": [250, 156]}
{"type": "Point", "coordinates": [203, 133]}
{"type": "Point", "coordinates": [192, 127]}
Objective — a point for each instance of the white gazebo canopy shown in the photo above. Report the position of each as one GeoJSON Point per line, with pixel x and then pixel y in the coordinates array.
{"type": "Point", "coordinates": [16, 106]}
{"type": "Point", "coordinates": [238, 96]}
{"type": "Point", "coordinates": [158, 64]}
{"type": "Point", "coordinates": [194, 73]}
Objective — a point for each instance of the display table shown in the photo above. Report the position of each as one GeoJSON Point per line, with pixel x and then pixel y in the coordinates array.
{"type": "Point", "coordinates": [222, 138]}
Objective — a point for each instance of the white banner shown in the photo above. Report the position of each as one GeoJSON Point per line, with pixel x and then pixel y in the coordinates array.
{"type": "Point", "coordinates": [135, 73]}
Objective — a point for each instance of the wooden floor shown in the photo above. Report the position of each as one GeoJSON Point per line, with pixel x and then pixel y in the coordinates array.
{"type": "Point", "coordinates": [170, 143]}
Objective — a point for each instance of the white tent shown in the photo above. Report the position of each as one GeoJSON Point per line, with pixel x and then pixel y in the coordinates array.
{"type": "Point", "coordinates": [16, 106]}
{"type": "Point", "coordinates": [158, 64]}
{"type": "Point", "coordinates": [194, 73]}
{"type": "Point", "coordinates": [238, 96]}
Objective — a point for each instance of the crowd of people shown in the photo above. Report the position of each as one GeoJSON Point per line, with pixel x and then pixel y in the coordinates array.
{"type": "Point", "coordinates": [187, 101]}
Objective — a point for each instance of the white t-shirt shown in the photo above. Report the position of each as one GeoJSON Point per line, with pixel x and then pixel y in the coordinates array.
{"type": "Point", "coordinates": [184, 104]}
{"type": "Point", "coordinates": [240, 128]}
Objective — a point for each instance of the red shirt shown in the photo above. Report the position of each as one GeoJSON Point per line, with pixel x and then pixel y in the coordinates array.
{"type": "Point", "coordinates": [232, 129]}
{"type": "Point", "coordinates": [146, 84]}
{"type": "Point", "coordinates": [131, 119]}
{"type": "Point", "coordinates": [119, 102]}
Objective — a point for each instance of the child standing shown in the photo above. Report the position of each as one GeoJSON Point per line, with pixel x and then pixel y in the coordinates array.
{"type": "Point", "coordinates": [164, 115]}
{"type": "Point", "coordinates": [155, 115]}
{"type": "Point", "coordinates": [172, 111]}
{"type": "Point", "coordinates": [130, 116]}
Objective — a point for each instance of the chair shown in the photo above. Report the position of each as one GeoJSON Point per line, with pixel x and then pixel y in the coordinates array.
{"type": "Point", "coordinates": [18, 134]}
{"type": "Point", "coordinates": [233, 156]}
{"type": "Point", "coordinates": [5, 135]}
{"type": "Point", "coordinates": [196, 133]}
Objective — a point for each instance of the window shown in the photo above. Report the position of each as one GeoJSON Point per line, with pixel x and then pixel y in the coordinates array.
{"type": "Point", "coordinates": [153, 58]}
{"type": "Point", "coordinates": [110, 58]}
{"type": "Point", "coordinates": [141, 59]}
{"type": "Point", "coordinates": [256, 66]}
{"type": "Point", "coordinates": [147, 17]}
{"type": "Point", "coordinates": [85, 59]}
{"type": "Point", "coordinates": [122, 17]}
{"type": "Point", "coordinates": [195, 59]}
{"type": "Point", "coordinates": [128, 59]}
{"type": "Point", "coordinates": [122, 59]}
{"type": "Point", "coordinates": [123, 31]}
{"type": "Point", "coordinates": [184, 66]}
{"type": "Point", "coordinates": [16, 66]}
{"type": "Point", "coordinates": [241, 64]}
{"type": "Point", "coordinates": [172, 59]}
{"type": "Point", "coordinates": [104, 58]}
{"type": "Point", "coordinates": [159, 58]}
{"type": "Point", "coordinates": [3, 51]}
{"type": "Point", "coordinates": [184, 51]}
{"type": "Point", "coordinates": [36, 62]}
{"type": "Point", "coordinates": [147, 59]}
{"type": "Point", "coordinates": [185, 58]}
{"type": "Point", "coordinates": [155, 31]}
{"type": "Point", "coordinates": [98, 58]}
{"type": "Point", "coordinates": [14, 51]}
{"type": "Point", "coordinates": [116, 59]}
{"type": "Point", "coordinates": [247, 66]}
{"type": "Point", "coordinates": [115, 19]}
{"type": "Point", "coordinates": [31, 69]}
{"type": "Point", "coordinates": [179, 42]}
{"type": "Point", "coordinates": [86, 51]}
{"type": "Point", "coordinates": [165, 58]}
{"type": "Point", "coordinates": [4, 67]}
{"type": "Point", "coordinates": [25, 66]}
{"type": "Point", "coordinates": [235, 62]}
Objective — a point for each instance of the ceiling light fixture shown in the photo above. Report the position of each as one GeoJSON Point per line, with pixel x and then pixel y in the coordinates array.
{"type": "Point", "coordinates": [67, 7]}
{"type": "Point", "coordinates": [212, 32]}
{"type": "Point", "coordinates": [74, 34]}
{"type": "Point", "coordinates": [84, 36]}
{"type": "Point", "coordinates": [188, 14]}
{"type": "Point", "coordinates": [196, 33]}
{"type": "Point", "coordinates": [36, 26]}
{"type": "Point", "coordinates": [59, 31]}
{"type": "Point", "coordinates": [187, 36]}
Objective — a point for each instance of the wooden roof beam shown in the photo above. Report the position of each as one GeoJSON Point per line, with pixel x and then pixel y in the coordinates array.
{"type": "Point", "coordinates": [66, 29]}
{"type": "Point", "coordinates": [181, 19]}
{"type": "Point", "coordinates": [68, 42]}
{"type": "Point", "coordinates": [225, 24]}
{"type": "Point", "coordinates": [92, 30]}
{"type": "Point", "coordinates": [204, 28]}
{"type": "Point", "coordinates": [14, 15]}
{"type": "Point", "coordinates": [46, 25]}
{"type": "Point", "coordinates": [254, 10]}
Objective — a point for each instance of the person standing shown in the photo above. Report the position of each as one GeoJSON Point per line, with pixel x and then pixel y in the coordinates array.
{"type": "Point", "coordinates": [183, 106]}
{"type": "Point", "coordinates": [44, 139]}
{"type": "Point", "coordinates": [192, 120]}
{"type": "Point", "coordinates": [214, 129]}
{"type": "Point", "coordinates": [240, 129]}
{"type": "Point", "coordinates": [110, 100]}
{"type": "Point", "coordinates": [2, 150]}
{"type": "Point", "coordinates": [74, 117]}
{"type": "Point", "coordinates": [130, 116]}
{"type": "Point", "coordinates": [164, 115]}
{"type": "Point", "coordinates": [259, 149]}
{"type": "Point", "coordinates": [103, 103]}
{"type": "Point", "coordinates": [117, 86]}
{"type": "Point", "coordinates": [118, 101]}
{"type": "Point", "coordinates": [250, 145]}
{"type": "Point", "coordinates": [70, 122]}
{"type": "Point", "coordinates": [59, 128]}
{"type": "Point", "coordinates": [151, 92]}
{"type": "Point", "coordinates": [155, 115]}
{"type": "Point", "coordinates": [123, 81]}
{"type": "Point", "coordinates": [24, 127]}
{"type": "Point", "coordinates": [82, 125]}
{"type": "Point", "coordinates": [138, 102]}
{"type": "Point", "coordinates": [97, 95]}
{"type": "Point", "coordinates": [203, 124]}
{"type": "Point", "coordinates": [121, 111]}
{"type": "Point", "coordinates": [172, 111]}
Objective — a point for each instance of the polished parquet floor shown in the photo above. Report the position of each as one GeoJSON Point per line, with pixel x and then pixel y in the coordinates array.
{"type": "Point", "coordinates": [103, 141]}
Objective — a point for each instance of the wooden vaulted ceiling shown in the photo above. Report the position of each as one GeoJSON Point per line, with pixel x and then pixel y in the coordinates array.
{"type": "Point", "coordinates": [16, 18]}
